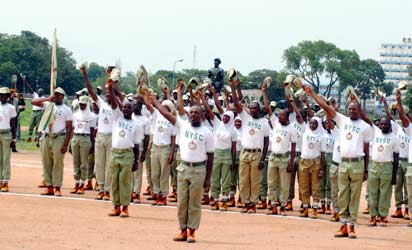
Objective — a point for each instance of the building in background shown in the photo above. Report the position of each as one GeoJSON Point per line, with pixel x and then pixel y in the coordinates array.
{"type": "Point", "coordinates": [395, 59]}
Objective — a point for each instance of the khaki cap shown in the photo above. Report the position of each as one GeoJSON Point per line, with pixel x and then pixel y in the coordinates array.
{"type": "Point", "coordinates": [83, 99]}
{"type": "Point", "coordinates": [60, 91]}
{"type": "Point", "coordinates": [4, 90]}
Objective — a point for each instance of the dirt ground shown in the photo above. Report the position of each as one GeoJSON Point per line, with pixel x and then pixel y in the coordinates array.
{"type": "Point", "coordinates": [31, 221]}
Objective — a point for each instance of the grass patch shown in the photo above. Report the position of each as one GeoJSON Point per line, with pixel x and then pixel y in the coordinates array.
{"type": "Point", "coordinates": [24, 125]}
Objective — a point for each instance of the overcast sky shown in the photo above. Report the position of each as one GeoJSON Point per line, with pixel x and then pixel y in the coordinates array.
{"type": "Point", "coordinates": [245, 34]}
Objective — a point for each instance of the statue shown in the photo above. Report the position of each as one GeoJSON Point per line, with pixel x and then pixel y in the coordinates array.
{"type": "Point", "coordinates": [216, 75]}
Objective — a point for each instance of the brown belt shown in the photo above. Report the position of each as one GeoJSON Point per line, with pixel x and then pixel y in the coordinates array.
{"type": "Point", "coordinates": [353, 159]}
{"type": "Point", "coordinates": [249, 150]}
{"type": "Point", "coordinates": [193, 164]}
{"type": "Point", "coordinates": [119, 151]}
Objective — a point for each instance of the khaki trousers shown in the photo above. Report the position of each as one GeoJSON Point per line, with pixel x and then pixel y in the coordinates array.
{"type": "Point", "coordinates": [80, 150]}
{"type": "Point", "coordinates": [53, 160]}
{"type": "Point", "coordinates": [380, 188]}
{"type": "Point", "coordinates": [5, 151]}
{"type": "Point", "coordinates": [221, 173]}
{"type": "Point", "coordinates": [148, 162]}
{"type": "Point", "coordinates": [121, 174]}
{"type": "Point", "coordinates": [309, 181]}
{"type": "Point", "coordinates": [103, 152]}
{"type": "Point", "coordinates": [160, 169]}
{"type": "Point", "coordinates": [278, 179]}
{"type": "Point", "coordinates": [333, 176]}
{"type": "Point", "coordinates": [137, 178]}
{"type": "Point", "coordinates": [400, 190]}
{"type": "Point", "coordinates": [409, 185]}
{"type": "Point", "coordinates": [249, 175]}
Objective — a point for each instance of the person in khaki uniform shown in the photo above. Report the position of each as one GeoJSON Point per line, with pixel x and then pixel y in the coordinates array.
{"type": "Point", "coordinates": [8, 116]}
{"type": "Point", "coordinates": [325, 189]}
{"type": "Point", "coordinates": [407, 126]}
{"type": "Point", "coordinates": [281, 158]}
{"type": "Point", "coordinates": [353, 168]}
{"type": "Point", "coordinates": [56, 140]}
{"type": "Point", "coordinates": [82, 142]}
{"type": "Point", "coordinates": [103, 140]}
{"type": "Point", "coordinates": [234, 173]}
{"type": "Point", "coordinates": [125, 151]}
{"type": "Point", "coordinates": [196, 148]}
{"type": "Point", "coordinates": [255, 141]}
{"type": "Point", "coordinates": [383, 170]}
{"type": "Point", "coordinates": [312, 166]}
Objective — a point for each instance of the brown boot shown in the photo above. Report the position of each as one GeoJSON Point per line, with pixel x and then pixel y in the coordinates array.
{"type": "Point", "coordinates": [328, 210]}
{"type": "Point", "coordinates": [343, 232]}
{"type": "Point", "coordinates": [205, 199]}
{"type": "Point", "coordinates": [305, 212]}
{"type": "Point", "coordinates": [352, 234]}
{"type": "Point", "coordinates": [262, 205]}
{"type": "Point", "coordinates": [75, 189]}
{"type": "Point", "coordinates": [398, 213]}
{"type": "Point", "coordinates": [282, 211]}
{"type": "Point", "coordinates": [191, 236]}
{"type": "Point", "coordinates": [214, 204]}
{"type": "Point", "coordinates": [137, 199]}
{"type": "Point", "coordinates": [212, 201]}
{"type": "Point", "coordinates": [245, 208]}
{"type": "Point", "coordinates": [406, 214]}
{"type": "Point", "coordinates": [239, 203]}
{"type": "Point", "coordinates": [383, 221]}
{"type": "Point", "coordinates": [366, 211]}
{"type": "Point", "coordinates": [48, 191]}
{"type": "Point", "coordinates": [224, 206]}
{"type": "Point", "coordinates": [231, 202]}
{"type": "Point", "coordinates": [81, 189]}
{"type": "Point", "coordinates": [289, 206]}
{"type": "Point", "coordinates": [274, 211]}
{"type": "Point", "coordinates": [5, 187]}
{"type": "Point", "coordinates": [148, 191]}
{"type": "Point", "coordinates": [322, 209]}
{"type": "Point", "coordinates": [99, 196]}
{"type": "Point", "coordinates": [42, 185]}
{"type": "Point", "coordinates": [152, 198]}
{"type": "Point", "coordinates": [335, 217]}
{"type": "Point", "coordinates": [125, 212]}
{"type": "Point", "coordinates": [106, 196]}
{"type": "Point", "coordinates": [173, 194]}
{"type": "Point", "coordinates": [372, 222]}
{"type": "Point", "coordinates": [57, 192]}
{"type": "Point", "coordinates": [89, 185]}
{"type": "Point", "coordinates": [182, 236]}
{"type": "Point", "coordinates": [314, 213]}
{"type": "Point", "coordinates": [157, 201]}
{"type": "Point", "coordinates": [174, 198]}
{"type": "Point", "coordinates": [115, 212]}
{"type": "Point", "coordinates": [162, 201]}
{"type": "Point", "coordinates": [252, 209]}
{"type": "Point", "coordinates": [96, 186]}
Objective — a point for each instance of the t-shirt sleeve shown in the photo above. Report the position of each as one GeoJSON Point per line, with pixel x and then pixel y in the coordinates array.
{"type": "Point", "coordinates": [323, 144]}
{"type": "Point", "coordinates": [274, 119]}
{"type": "Point", "coordinates": [408, 130]}
{"type": "Point", "coordinates": [233, 135]}
{"type": "Point", "coordinates": [69, 114]}
{"type": "Point", "coordinates": [266, 128]}
{"type": "Point", "coordinates": [137, 137]}
{"type": "Point", "coordinates": [367, 133]}
{"type": "Point", "coordinates": [210, 142]}
{"type": "Point", "coordinates": [293, 135]}
{"type": "Point", "coordinates": [116, 113]}
{"type": "Point", "coordinates": [13, 112]}
{"type": "Point", "coordinates": [93, 122]}
{"type": "Point", "coordinates": [339, 119]}
{"type": "Point", "coordinates": [147, 127]}
{"type": "Point", "coordinates": [395, 144]}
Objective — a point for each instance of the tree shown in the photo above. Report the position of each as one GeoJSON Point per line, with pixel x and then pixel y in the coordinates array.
{"type": "Point", "coordinates": [275, 91]}
{"type": "Point", "coordinates": [369, 75]}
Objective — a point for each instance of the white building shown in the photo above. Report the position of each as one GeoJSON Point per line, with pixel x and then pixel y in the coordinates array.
{"type": "Point", "coordinates": [395, 58]}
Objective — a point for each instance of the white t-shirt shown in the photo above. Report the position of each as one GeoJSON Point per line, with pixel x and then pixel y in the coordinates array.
{"type": "Point", "coordinates": [312, 144]}
{"type": "Point", "coordinates": [384, 145]}
{"type": "Point", "coordinates": [336, 146]}
{"type": "Point", "coordinates": [7, 112]}
{"type": "Point", "coordinates": [195, 142]}
{"type": "Point", "coordinates": [408, 132]}
{"type": "Point", "coordinates": [403, 142]}
{"type": "Point", "coordinates": [83, 121]}
{"type": "Point", "coordinates": [224, 136]}
{"type": "Point", "coordinates": [125, 134]}
{"type": "Point", "coordinates": [62, 114]}
{"type": "Point", "coordinates": [143, 125]}
{"type": "Point", "coordinates": [149, 116]}
{"type": "Point", "coordinates": [35, 97]}
{"type": "Point", "coordinates": [330, 141]}
{"type": "Point", "coordinates": [283, 136]}
{"type": "Point", "coordinates": [300, 128]}
{"type": "Point", "coordinates": [211, 125]}
{"type": "Point", "coordinates": [105, 121]}
{"type": "Point", "coordinates": [253, 131]}
{"type": "Point", "coordinates": [238, 139]}
{"type": "Point", "coordinates": [163, 129]}
{"type": "Point", "coordinates": [353, 135]}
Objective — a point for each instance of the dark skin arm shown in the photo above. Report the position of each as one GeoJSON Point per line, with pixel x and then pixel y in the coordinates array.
{"type": "Point", "coordinates": [145, 145]}
{"type": "Point", "coordinates": [395, 165]}
{"type": "Point", "coordinates": [112, 97]}
{"type": "Point", "coordinates": [239, 91]}
{"type": "Point", "coordinates": [309, 110]}
{"type": "Point", "coordinates": [148, 104]}
{"type": "Point", "coordinates": [216, 99]}
{"type": "Point", "coordinates": [233, 151]}
{"type": "Point", "coordinates": [92, 136]}
{"type": "Point", "coordinates": [209, 168]}
{"type": "Point", "coordinates": [180, 105]}
{"type": "Point", "coordinates": [39, 102]}
{"type": "Point", "coordinates": [366, 160]}
{"type": "Point", "coordinates": [28, 85]}
{"type": "Point", "coordinates": [88, 85]}
{"type": "Point", "coordinates": [69, 131]}
{"type": "Point", "coordinates": [266, 100]}
{"type": "Point", "coordinates": [136, 157]}
{"type": "Point", "coordinates": [13, 125]}
{"type": "Point", "coordinates": [385, 105]}
{"type": "Point", "coordinates": [208, 110]}
{"type": "Point", "coordinates": [292, 157]}
{"type": "Point", "coordinates": [235, 98]}
{"type": "Point", "coordinates": [169, 116]}
{"type": "Point", "coordinates": [299, 117]}
{"type": "Point", "coordinates": [322, 164]}
{"type": "Point", "coordinates": [399, 108]}
{"type": "Point", "coordinates": [172, 149]}
{"type": "Point", "coordinates": [329, 110]}
{"type": "Point", "coordinates": [264, 152]}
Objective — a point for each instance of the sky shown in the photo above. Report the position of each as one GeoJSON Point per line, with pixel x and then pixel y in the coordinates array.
{"type": "Point", "coordinates": [245, 34]}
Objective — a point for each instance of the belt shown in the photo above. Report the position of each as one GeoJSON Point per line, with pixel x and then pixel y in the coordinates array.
{"type": "Point", "coordinates": [5, 131]}
{"type": "Point", "coordinates": [193, 164]}
{"type": "Point", "coordinates": [120, 151]}
{"type": "Point", "coordinates": [382, 163]}
{"type": "Point", "coordinates": [310, 159]}
{"type": "Point", "coordinates": [297, 153]}
{"type": "Point", "coordinates": [161, 146]}
{"type": "Point", "coordinates": [349, 159]}
{"type": "Point", "coordinates": [403, 159]}
{"type": "Point", "coordinates": [105, 134]}
{"type": "Point", "coordinates": [55, 135]}
{"type": "Point", "coordinates": [335, 163]}
{"type": "Point", "coordinates": [81, 134]}
{"type": "Point", "coordinates": [249, 150]}
{"type": "Point", "coordinates": [281, 155]}
{"type": "Point", "coordinates": [37, 110]}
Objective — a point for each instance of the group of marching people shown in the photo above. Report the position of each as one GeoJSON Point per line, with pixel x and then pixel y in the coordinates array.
{"type": "Point", "coordinates": [208, 145]}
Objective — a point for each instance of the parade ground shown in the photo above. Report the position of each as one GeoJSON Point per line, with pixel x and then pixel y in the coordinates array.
{"type": "Point", "coordinates": [31, 221]}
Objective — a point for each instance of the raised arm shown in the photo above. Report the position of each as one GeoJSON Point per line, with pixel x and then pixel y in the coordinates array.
{"type": "Point", "coordinates": [299, 117]}
{"type": "Point", "coordinates": [39, 102]}
{"type": "Point", "coordinates": [399, 108]}
{"type": "Point", "coordinates": [112, 97]}
{"type": "Point", "coordinates": [385, 105]}
{"type": "Point", "coordinates": [27, 84]}
{"type": "Point", "coordinates": [265, 99]}
{"type": "Point", "coordinates": [329, 110]}
{"type": "Point", "coordinates": [169, 116]}
{"type": "Point", "coordinates": [309, 110]}
{"type": "Point", "coordinates": [208, 110]}
{"type": "Point", "coordinates": [180, 107]}
{"type": "Point", "coordinates": [87, 83]}
{"type": "Point", "coordinates": [362, 113]}
{"type": "Point", "coordinates": [236, 101]}
{"type": "Point", "coordinates": [216, 99]}
{"type": "Point", "coordinates": [148, 104]}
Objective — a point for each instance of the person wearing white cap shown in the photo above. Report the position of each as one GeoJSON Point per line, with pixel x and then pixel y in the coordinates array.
{"type": "Point", "coordinates": [164, 140]}
{"type": "Point", "coordinates": [56, 140]}
{"type": "Point", "coordinates": [7, 136]}
{"type": "Point", "coordinates": [353, 169]}
{"type": "Point", "coordinates": [407, 126]}
{"type": "Point", "coordinates": [84, 122]}
{"type": "Point", "coordinates": [255, 141]}
{"type": "Point", "coordinates": [103, 141]}
{"type": "Point", "coordinates": [37, 112]}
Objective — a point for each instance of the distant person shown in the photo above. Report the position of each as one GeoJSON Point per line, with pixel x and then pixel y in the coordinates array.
{"type": "Point", "coordinates": [37, 111]}
{"type": "Point", "coordinates": [216, 75]}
